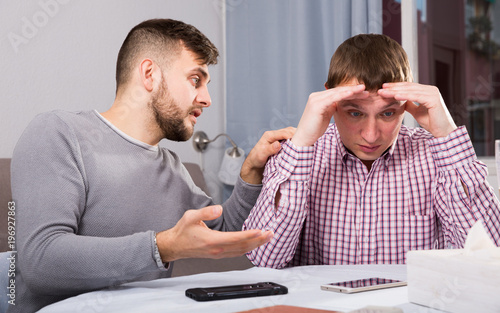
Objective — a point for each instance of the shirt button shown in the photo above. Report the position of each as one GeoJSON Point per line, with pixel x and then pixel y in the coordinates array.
{"type": "Point", "coordinates": [368, 194]}
{"type": "Point", "coordinates": [366, 239]}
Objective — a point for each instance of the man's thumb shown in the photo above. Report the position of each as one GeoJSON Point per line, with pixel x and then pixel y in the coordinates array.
{"type": "Point", "coordinates": [211, 212]}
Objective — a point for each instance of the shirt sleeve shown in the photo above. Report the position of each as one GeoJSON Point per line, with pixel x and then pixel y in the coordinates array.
{"type": "Point", "coordinates": [288, 173]}
{"type": "Point", "coordinates": [463, 195]}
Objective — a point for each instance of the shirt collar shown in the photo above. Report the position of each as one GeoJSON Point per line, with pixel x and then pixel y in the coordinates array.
{"type": "Point", "coordinates": [388, 154]}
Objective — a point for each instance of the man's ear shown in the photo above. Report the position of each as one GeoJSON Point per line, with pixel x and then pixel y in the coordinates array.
{"type": "Point", "coordinates": [150, 74]}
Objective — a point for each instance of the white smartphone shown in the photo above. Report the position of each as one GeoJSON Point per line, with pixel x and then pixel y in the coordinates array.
{"type": "Point", "coordinates": [366, 284]}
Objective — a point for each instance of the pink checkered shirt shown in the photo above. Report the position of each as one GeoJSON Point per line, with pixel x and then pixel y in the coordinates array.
{"type": "Point", "coordinates": [333, 211]}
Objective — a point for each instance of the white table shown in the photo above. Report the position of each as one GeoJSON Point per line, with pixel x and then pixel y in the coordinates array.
{"type": "Point", "coordinates": [167, 295]}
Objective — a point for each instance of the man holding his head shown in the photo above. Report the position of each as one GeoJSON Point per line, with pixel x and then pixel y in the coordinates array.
{"type": "Point", "coordinates": [99, 203]}
{"type": "Point", "coordinates": [368, 189]}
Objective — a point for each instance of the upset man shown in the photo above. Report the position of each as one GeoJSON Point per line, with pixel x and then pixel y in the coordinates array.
{"type": "Point", "coordinates": [368, 189]}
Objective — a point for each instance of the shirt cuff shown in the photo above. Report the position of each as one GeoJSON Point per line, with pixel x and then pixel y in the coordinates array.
{"type": "Point", "coordinates": [296, 162]}
{"type": "Point", "coordinates": [157, 257]}
{"type": "Point", "coordinates": [452, 151]}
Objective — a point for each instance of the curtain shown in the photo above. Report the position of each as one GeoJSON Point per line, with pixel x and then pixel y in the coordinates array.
{"type": "Point", "coordinates": [278, 52]}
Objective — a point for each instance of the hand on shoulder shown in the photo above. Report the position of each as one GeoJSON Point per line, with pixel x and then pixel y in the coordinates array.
{"type": "Point", "coordinates": [268, 145]}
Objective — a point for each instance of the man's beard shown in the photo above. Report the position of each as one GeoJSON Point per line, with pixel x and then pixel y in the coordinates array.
{"type": "Point", "coordinates": [169, 116]}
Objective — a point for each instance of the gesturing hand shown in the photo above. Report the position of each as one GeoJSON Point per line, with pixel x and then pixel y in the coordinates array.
{"type": "Point", "coordinates": [319, 111]}
{"type": "Point", "coordinates": [425, 104]}
{"type": "Point", "coordinates": [191, 238]}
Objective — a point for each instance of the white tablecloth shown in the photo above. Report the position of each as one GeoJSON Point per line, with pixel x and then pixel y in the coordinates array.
{"type": "Point", "coordinates": [167, 295]}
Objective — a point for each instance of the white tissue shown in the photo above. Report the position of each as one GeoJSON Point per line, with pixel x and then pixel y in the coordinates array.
{"type": "Point", "coordinates": [457, 280]}
{"type": "Point", "coordinates": [479, 244]}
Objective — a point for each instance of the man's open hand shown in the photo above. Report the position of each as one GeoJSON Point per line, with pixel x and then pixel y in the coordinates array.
{"type": "Point", "coordinates": [191, 238]}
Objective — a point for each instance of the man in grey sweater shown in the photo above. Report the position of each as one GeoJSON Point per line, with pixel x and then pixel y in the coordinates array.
{"type": "Point", "coordinates": [99, 203]}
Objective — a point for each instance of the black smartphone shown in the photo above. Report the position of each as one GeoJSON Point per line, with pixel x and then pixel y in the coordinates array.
{"type": "Point", "coordinates": [236, 291]}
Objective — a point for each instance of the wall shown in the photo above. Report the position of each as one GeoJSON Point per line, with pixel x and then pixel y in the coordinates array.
{"type": "Point", "coordinates": [59, 54]}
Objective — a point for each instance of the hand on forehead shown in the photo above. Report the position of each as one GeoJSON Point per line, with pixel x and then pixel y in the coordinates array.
{"type": "Point", "coordinates": [362, 99]}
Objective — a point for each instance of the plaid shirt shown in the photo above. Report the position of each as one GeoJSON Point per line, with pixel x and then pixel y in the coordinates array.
{"type": "Point", "coordinates": [333, 210]}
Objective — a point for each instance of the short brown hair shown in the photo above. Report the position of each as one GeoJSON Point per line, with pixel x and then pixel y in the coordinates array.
{"type": "Point", "coordinates": [371, 59]}
{"type": "Point", "coordinates": [161, 39]}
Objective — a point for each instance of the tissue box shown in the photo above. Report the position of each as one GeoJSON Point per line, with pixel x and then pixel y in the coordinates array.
{"type": "Point", "coordinates": [450, 281]}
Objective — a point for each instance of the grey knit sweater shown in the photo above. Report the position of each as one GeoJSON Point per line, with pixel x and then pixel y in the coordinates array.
{"type": "Point", "coordinates": [89, 200]}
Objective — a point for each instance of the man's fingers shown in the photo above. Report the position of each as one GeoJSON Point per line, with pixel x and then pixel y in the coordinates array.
{"type": "Point", "coordinates": [243, 238]}
{"type": "Point", "coordinates": [345, 93]}
{"type": "Point", "coordinates": [204, 214]}
{"type": "Point", "coordinates": [412, 108]}
{"type": "Point", "coordinates": [269, 145]}
{"type": "Point", "coordinates": [280, 134]}
{"type": "Point", "coordinates": [228, 244]}
{"type": "Point", "coordinates": [251, 244]}
{"type": "Point", "coordinates": [423, 94]}
{"type": "Point", "coordinates": [270, 139]}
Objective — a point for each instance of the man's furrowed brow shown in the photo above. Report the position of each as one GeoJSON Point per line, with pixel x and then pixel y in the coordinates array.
{"type": "Point", "coordinates": [395, 103]}
{"type": "Point", "coordinates": [347, 104]}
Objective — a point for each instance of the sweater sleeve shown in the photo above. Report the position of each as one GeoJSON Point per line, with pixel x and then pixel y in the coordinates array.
{"type": "Point", "coordinates": [287, 173]}
{"type": "Point", "coordinates": [463, 195]}
{"type": "Point", "coordinates": [237, 207]}
{"type": "Point", "coordinates": [49, 188]}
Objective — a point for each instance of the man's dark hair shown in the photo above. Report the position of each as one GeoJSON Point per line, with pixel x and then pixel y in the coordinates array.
{"type": "Point", "coordinates": [371, 59]}
{"type": "Point", "coordinates": [160, 40]}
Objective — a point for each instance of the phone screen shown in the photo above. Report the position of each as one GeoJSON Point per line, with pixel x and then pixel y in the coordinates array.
{"type": "Point", "coordinates": [365, 282]}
